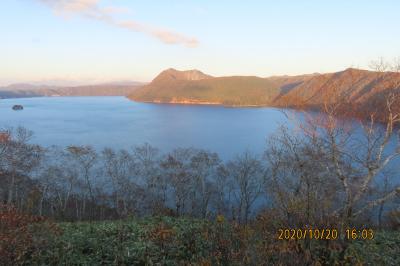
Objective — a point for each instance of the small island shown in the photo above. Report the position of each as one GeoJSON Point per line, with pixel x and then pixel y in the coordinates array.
{"type": "Point", "coordinates": [17, 107]}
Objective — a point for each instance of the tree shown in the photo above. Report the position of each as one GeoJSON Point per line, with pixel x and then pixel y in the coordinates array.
{"type": "Point", "coordinates": [204, 166]}
{"type": "Point", "coordinates": [175, 166]}
{"type": "Point", "coordinates": [301, 186]}
{"type": "Point", "coordinates": [122, 170]}
{"type": "Point", "coordinates": [83, 159]}
{"type": "Point", "coordinates": [60, 184]}
{"type": "Point", "coordinates": [248, 176]}
{"type": "Point", "coordinates": [354, 153]}
{"type": "Point", "coordinates": [223, 186]}
{"type": "Point", "coordinates": [18, 159]}
{"type": "Point", "coordinates": [148, 170]}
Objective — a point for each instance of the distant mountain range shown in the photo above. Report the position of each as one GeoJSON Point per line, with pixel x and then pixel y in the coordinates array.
{"type": "Point", "coordinates": [30, 90]}
{"type": "Point", "coordinates": [361, 88]}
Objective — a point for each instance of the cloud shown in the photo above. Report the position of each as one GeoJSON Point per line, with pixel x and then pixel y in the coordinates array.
{"type": "Point", "coordinates": [92, 10]}
{"type": "Point", "coordinates": [72, 5]}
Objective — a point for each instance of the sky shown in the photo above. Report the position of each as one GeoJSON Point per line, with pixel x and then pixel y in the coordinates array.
{"type": "Point", "coordinates": [92, 41]}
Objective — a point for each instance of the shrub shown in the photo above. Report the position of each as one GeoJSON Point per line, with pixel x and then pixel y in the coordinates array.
{"type": "Point", "coordinates": [22, 236]}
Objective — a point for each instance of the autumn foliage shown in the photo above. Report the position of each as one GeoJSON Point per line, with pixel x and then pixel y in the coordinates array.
{"type": "Point", "coordinates": [21, 235]}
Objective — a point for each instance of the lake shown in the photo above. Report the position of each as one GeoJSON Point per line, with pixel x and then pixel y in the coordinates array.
{"type": "Point", "coordinates": [120, 123]}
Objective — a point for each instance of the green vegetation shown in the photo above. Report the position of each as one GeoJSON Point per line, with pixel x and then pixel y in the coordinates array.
{"type": "Point", "coordinates": [184, 241]}
{"type": "Point", "coordinates": [225, 90]}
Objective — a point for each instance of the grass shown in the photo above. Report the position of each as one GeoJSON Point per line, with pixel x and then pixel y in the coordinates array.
{"type": "Point", "coordinates": [186, 241]}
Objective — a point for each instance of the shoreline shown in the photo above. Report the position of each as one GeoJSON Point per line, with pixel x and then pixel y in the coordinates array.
{"type": "Point", "coordinates": [191, 102]}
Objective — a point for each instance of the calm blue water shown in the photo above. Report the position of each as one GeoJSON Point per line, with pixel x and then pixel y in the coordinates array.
{"type": "Point", "coordinates": [120, 123]}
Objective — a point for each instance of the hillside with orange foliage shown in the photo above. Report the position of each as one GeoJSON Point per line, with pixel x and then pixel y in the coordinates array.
{"type": "Point", "coordinates": [364, 91]}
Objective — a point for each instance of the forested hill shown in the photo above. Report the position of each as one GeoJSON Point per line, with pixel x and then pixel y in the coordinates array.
{"type": "Point", "coordinates": [361, 88]}
{"type": "Point", "coordinates": [28, 90]}
{"type": "Point", "coordinates": [173, 86]}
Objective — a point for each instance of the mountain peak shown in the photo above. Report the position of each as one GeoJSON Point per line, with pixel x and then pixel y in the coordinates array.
{"type": "Point", "coordinates": [173, 74]}
{"type": "Point", "coordinates": [354, 70]}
